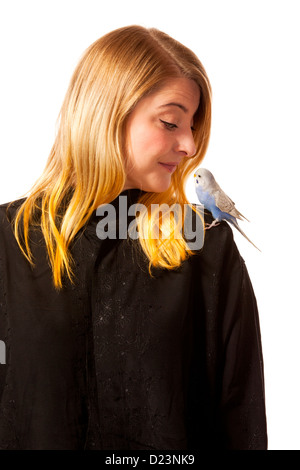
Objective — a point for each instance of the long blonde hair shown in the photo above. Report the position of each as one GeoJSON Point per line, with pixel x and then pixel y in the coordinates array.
{"type": "Point", "coordinates": [86, 168]}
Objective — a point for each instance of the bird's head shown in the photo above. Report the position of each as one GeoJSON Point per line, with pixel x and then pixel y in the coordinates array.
{"type": "Point", "coordinates": [204, 178]}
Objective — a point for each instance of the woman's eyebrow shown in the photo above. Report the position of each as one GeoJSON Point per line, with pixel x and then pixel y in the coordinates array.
{"type": "Point", "coordinates": [184, 109]}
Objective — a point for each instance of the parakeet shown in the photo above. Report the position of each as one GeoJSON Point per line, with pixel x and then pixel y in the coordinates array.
{"type": "Point", "coordinates": [213, 198]}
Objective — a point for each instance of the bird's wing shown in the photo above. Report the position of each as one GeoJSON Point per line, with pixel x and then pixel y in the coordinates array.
{"type": "Point", "coordinates": [225, 204]}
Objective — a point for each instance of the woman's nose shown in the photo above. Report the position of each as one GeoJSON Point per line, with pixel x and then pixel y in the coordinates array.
{"type": "Point", "coordinates": [186, 144]}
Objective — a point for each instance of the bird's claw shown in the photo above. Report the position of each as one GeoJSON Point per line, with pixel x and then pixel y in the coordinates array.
{"type": "Point", "coordinates": [213, 224]}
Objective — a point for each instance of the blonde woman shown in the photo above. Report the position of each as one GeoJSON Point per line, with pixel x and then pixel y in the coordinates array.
{"type": "Point", "coordinates": [121, 336]}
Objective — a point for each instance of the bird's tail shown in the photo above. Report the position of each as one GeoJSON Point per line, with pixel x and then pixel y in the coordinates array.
{"type": "Point", "coordinates": [233, 222]}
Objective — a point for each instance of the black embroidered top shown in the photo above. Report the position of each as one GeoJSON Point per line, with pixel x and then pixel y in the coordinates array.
{"type": "Point", "coordinates": [121, 360]}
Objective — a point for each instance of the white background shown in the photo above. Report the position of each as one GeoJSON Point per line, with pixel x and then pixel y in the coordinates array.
{"type": "Point", "coordinates": [250, 50]}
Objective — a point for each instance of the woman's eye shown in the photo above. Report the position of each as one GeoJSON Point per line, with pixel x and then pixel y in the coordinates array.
{"type": "Point", "coordinates": [168, 125]}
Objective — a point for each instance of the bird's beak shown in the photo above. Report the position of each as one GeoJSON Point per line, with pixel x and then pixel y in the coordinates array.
{"type": "Point", "coordinates": [195, 175]}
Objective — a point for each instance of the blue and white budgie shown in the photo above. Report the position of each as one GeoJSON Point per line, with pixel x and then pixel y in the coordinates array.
{"type": "Point", "coordinates": [213, 198]}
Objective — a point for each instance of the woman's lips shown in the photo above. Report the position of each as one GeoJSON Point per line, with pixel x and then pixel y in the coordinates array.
{"type": "Point", "coordinates": [170, 167]}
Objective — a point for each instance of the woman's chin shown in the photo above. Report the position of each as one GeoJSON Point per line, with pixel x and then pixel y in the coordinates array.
{"type": "Point", "coordinates": [151, 186]}
{"type": "Point", "coordinates": [157, 186]}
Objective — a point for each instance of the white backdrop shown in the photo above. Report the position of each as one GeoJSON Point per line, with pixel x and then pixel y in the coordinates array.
{"type": "Point", "coordinates": [250, 50]}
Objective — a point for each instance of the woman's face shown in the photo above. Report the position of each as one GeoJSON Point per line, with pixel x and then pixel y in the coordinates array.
{"type": "Point", "coordinates": [159, 135]}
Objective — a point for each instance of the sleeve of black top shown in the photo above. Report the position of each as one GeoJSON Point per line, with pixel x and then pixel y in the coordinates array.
{"type": "Point", "coordinates": [233, 350]}
{"type": "Point", "coordinates": [242, 401]}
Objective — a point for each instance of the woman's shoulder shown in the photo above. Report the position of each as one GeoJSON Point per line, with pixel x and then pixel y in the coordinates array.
{"type": "Point", "coordinates": [221, 234]}
{"type": "Point", "coordinates": [216, 238]}
{"type": "Point", "coordinates": [10, 208]}
{"type": "Point", "coordinates": [8, 211]}
{"type": "Point", "coordinates": [219, 249]}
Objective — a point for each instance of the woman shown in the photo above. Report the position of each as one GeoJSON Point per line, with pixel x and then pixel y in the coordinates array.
{"type": "Point", "coordinates": [126, 342]}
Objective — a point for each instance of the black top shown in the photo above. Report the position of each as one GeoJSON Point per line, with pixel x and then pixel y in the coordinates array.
{"type": "Point", "coordinates": [121, 360]}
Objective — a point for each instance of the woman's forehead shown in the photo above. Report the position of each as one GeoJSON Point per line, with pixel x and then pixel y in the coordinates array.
{"type": "Point", "coordinates": [182, 93]}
